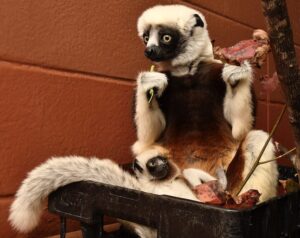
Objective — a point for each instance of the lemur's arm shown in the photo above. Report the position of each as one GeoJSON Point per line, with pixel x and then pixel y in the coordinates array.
{"type": "Point", "coordinates": [238, 108]}
{"type": "Point", "coordinates": [149, 119]}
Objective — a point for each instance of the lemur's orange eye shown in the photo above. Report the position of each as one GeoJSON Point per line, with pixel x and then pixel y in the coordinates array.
{"type": "Point", "coordinates": [167, 38]}
{"type": "Point", "coordinates": [146, 38]}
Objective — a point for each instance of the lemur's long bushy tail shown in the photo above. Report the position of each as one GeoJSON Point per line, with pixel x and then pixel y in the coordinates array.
{"type": "Point", "coordinates": [27, 207]}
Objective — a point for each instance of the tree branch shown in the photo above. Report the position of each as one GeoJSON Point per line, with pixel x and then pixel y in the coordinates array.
{"type": "Point", "coordinates": [282, 45]}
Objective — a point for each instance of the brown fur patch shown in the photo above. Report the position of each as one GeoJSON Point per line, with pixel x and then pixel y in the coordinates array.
{"type": "Point", "coordinates": [235, 170]}
{"type": "Point", "coordinates": [197, 134]}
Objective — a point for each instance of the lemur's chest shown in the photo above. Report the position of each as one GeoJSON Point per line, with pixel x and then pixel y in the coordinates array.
{"type": "Point", "coordinates": [197, 132]}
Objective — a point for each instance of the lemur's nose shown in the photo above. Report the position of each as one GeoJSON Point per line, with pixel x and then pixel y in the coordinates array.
{"type": "Point", "coordinates": [149, 51]}
{"type": "Point", "coordinates": [158, 167]}
{"type": "Point", "coordinates": [152, 52]}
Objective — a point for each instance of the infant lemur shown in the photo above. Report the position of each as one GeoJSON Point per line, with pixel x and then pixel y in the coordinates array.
{"type": "Point", "coordinates": [196, 128]}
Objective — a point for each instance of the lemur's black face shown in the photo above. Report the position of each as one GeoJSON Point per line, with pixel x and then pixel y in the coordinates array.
{"type": "Point", "coordinates": [162, 43]}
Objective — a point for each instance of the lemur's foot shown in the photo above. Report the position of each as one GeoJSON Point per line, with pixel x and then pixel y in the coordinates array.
{"type": "Point", "coordinates": [153, 80]}
{"type": "Point", "coordinates": [233, 74]}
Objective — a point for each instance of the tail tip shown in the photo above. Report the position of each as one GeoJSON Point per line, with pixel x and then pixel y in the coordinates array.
{"type": "Point", "coordinates": [23, 219]}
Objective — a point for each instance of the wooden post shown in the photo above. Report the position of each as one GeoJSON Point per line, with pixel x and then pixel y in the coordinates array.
{"type": "Point", "coordinates": [282, 45]}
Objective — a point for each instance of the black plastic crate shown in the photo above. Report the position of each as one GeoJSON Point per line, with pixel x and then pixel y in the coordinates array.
{"type": "Point", "coordinates": [173, 217]}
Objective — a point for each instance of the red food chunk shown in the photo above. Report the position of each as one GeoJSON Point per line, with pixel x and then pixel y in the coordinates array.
{"type": "Point", "coordinates": [210, 192]}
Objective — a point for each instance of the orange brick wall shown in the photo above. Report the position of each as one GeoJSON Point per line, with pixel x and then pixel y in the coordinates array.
{"type": "Point", "coordinates": [67, 70]}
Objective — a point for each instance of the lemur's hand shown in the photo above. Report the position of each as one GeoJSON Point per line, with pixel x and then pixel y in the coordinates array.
{"type": "Point", "coordinates": [152, 80]}
{"type": "Point", "coordinates": [233, 74]}
{"type": "Point", "coordinates": [196, 176]}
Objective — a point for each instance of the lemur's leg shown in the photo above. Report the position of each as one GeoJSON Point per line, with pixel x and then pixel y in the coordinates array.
{"type": "Point", "coordinates": [149, 118]}
{"type": "Point", "coordinates": [238, 108]}
{"type": "Point", "coordinates": [265, 177]}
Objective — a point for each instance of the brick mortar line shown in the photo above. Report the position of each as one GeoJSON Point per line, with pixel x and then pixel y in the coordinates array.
{"type": "Point", "coordinates": [5, 196]}
{"type": "Point", "coordinates": [278, 103]}
{"type": "Point", "coordinates": [61, 70]}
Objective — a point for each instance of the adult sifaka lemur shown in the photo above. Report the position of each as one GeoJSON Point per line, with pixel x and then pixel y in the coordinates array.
{"type": "Point", "coordinates": [200, 120]}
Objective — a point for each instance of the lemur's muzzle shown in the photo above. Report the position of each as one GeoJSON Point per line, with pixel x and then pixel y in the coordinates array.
{"type": "Point", "coordinates": [158, 167]}
{"type": "Point", "coordinates": [154, 53]}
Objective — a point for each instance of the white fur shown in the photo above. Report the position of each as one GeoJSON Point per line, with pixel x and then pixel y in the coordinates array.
{"type": "Point", "coordinates": [149, 118]}
{"type": "Point", "coordinates": [153, 38]}
{"type": "Point", "coordinates": [238, 100]}
{"type": "Point", "coordinates": [265, 177]}
{"type": "Point", "coordinates": [175, 16]}
{"type": "Point", "coordinates": [57, 172]}
{"type": "Point", "coordinates": [144, 231]}
{"type": "Point", "coordinates": [196, 176]}
{"type": "Point", "coordinates": [198, 48]}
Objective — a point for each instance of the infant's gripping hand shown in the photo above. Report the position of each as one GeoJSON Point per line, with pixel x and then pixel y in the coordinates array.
{"type": "Point", "coordinates": [148, 81]}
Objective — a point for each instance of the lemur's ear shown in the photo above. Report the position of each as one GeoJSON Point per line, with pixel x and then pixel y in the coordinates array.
{"type": "Point", "coordinates": [199, 21]}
